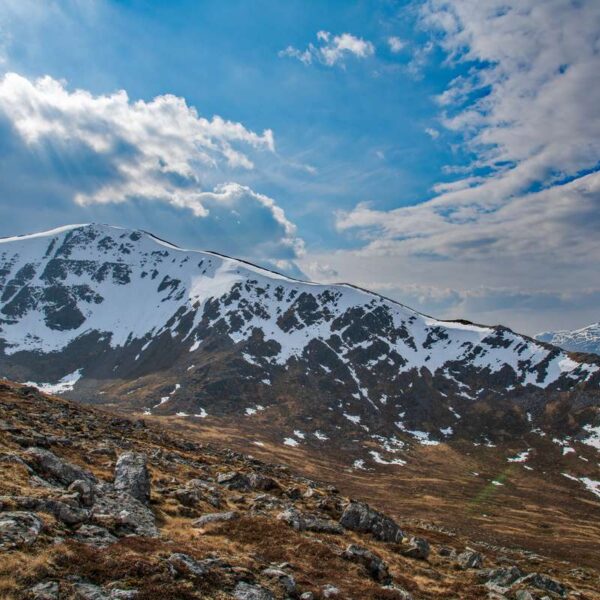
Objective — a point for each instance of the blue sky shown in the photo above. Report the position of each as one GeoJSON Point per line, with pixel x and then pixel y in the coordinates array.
{"type": "Point", "coordinates": [440, 152]}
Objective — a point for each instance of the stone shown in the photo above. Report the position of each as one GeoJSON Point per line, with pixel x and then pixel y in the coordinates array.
{"type": "Point", "coordinates": [374, 565]}
{"type": "Point", "coordinates": [307, 522]}
{"type": "Point", "coordinates": [47, 590]}
{"type": "Point", "coordinates": [543, 582]}
{"type": "Point", "coordinates": [469, 560]}
{"type": "Point", "coordinates": [307, 596]}
{"type": "Point", "coordinates": [215, 518]}
{"type": "Point", "coordinates": [93, 535]}
{"type": "Point", "coordinates": [132, 476]}
{"type": "Point", "coordinates": [416, 547]}
{"type": "Point", "coordinates": [88, 591]}
{"type": "Point", "coordinates": [359, 516]}
{"type": "Point", "coordinates": [285, 580]}
{"type": "Point", "coordinates": [523, 595]}
{"type": "Point", "coordinates": [501, 579]}
{"type": "Point", "coordinates": [122, 514]}
{"type": "Point", "coordinates": [182, 564]}
{"type": "Point", "coordinates": [84, 490]}
{"type": "Point", "coordinates": [234, 481]}
{"type": "Point", "coordinates": [246, 591]}
{"type": "Point", "coordinates": [18, 528]}
{"type": "Point", "coordinates": [59, 469]}
{"type": "Point", "coordinates": [329, 591]}
{"type": "Point", "coordinates": [70, 515]}
{"type": "Point", "coordinates": [262, 482]}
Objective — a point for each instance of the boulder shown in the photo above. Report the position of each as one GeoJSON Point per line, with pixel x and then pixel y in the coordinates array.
{"type": "Point", "coordinates": [234, 480]}
{"type": "Point", "coordinates": [359, 516]}
{"type": "Point", "coordinates": [374, 565]}
{"type": "Point", "coordinates": [307, 522]}
{"type": "Point", "coordinates": [545, 583]}
{"type": "Point", "coordinates": [122, 514]}
{"type": "Point", "coordinates": [132, 476]}
{"type": "Point", "coordinates": [416, 547]}
{"type": "Point", "coordinates": [18, 528]}
{"type": "Point", "coordinates": [246, 591]}
{"type": "Point", "coordinates": [64, 472]}
{"type": "Point", "coordinates": [501, 579]}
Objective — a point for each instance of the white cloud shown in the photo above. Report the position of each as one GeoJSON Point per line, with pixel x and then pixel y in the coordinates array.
{"type": "Point", "coordinates": [331, 50]}
{"type": "Point", "coordinates": [432, 133]}
{"type": "Point", "coordinates": [108, 150]}
{"type": "Point", "coordinates": [396, 44]}
{"type": "Point", "coordinates": [527, 111]}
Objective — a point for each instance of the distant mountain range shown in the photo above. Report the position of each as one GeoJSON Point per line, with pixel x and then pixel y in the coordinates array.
{"type": "Point", "coordinates": [116, 316]}
{"type": "Point", "coordinates": [586, 339]}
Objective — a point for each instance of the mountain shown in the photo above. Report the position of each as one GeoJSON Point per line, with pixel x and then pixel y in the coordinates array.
{"type": "Point", "coordinates": [95, 506]}
{"type": "Point", "coordinates": [123, 318]}
{"type": "Point", "coordinates": [586, 339]}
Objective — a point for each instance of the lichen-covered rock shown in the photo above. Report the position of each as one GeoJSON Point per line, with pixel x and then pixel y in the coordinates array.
{"type": "Point", "coordinates": [416, 547]}
{"type": "Point", "coordinates": [374, 565]}
{"type": "Point", "coordinates": [308, 522]}
{"type": "Point", "coordinates": [18, 528]}
{"type": "Point", "coordinates": [132, 476]}
{"type": "Point", "coordinates": [182, 564]}
{"type": "Point", "coordinates": [543, 582]}
{"type": "Point", "coordinates": [469, 560]}
{"type": "Point", "coordinates": [61, 470]}
{"type": "Point", "coordinates": [84, 490]}
{"type": "Point", "coordinates": [359, 516]}
{"type": "Point", "coordinates": [93, 535]}
{"type": "Point", "coordinates": [46, 590]}
{"type": "Point", "coordinates": [234, 481]}
{"type": "Point", "coordinates": [246, 591]}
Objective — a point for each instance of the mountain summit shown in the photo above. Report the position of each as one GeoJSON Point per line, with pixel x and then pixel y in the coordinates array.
{"type": "Point", "coordinates": [114, 315]}
{"type": "Point", "coordinates": [586, 339]}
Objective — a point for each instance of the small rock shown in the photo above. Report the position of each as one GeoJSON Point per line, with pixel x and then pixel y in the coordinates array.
{"type": "Point", "coordinates": [84, 490]}
{"type": "Point", "coordinates": [261, 482]}
{"type": "Point", "coordinates": [246, 591]}
{"type": "Point", "coordinates": [215, 518]}
{"type": "Point", "coordinates": [329, 591]}
{"type": "Point", "coordinates": [501, 579]}
{"type": "Point", "coordinates": [132, 476]}
{"type": "Point", "coordinates": [182, 564]}
{"type": "Point", "coordinates": [359, 516]}
{"type": "Point", "coordinates": [88, 591]}
{"type": "Point", "coordinates": [375, 566]}
{"type": "Point", "coordinates": [234, 481]}
{"type": "Point", "coordinates": [469, 560]}
{"type": "Point", "coordinates": [307, 596]}
{"type": "Point", "coordinates": [543, 582]}
{"type": "Point", "coordinates": [287, 581]}
{"type": "Point", "coordinates": [523, 595]}
{"type": "Point", "coordinates": [416, 548]}
{"type": "Point", "coordinates": [47, 590]}
{"type": "Point", "coordinates": [92, 535]}
{"type": "Point", "coordinates": [18, 528]}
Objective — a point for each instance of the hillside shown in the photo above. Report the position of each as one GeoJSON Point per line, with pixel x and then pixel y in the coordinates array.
{"type": "Point", "coordinates": [96, 506]}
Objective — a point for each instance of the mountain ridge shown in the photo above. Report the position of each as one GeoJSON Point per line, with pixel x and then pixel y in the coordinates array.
{"type": "Point", "coordinates": [118, 316]}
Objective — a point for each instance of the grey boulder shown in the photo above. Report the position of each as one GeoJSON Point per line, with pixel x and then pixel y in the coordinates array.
{"type": "Point", "coordinates": [132, 476]}
{"type": "Point", "coordinates": [18, 528]}
{"type": "Point", "coordinates": [359, 516]}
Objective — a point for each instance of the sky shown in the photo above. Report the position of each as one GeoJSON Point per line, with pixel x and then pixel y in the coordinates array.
{"type": "Point", "coordinates": [443, 153]}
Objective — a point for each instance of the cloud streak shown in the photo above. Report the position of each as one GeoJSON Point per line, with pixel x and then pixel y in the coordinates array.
{"type": "Point", "coordinates": [331, 50]}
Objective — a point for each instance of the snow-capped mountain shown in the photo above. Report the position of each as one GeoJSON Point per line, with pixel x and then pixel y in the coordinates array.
{"type": "Point", "coordinates": [586, 339]}
{"type": "Point", "coordinates": [114, 315]}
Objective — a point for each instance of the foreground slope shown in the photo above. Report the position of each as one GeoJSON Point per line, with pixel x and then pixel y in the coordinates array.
{"type": "Point", "coordinates": [116, 316]}
{"type": "Point", "coordinates": [96, 506]}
